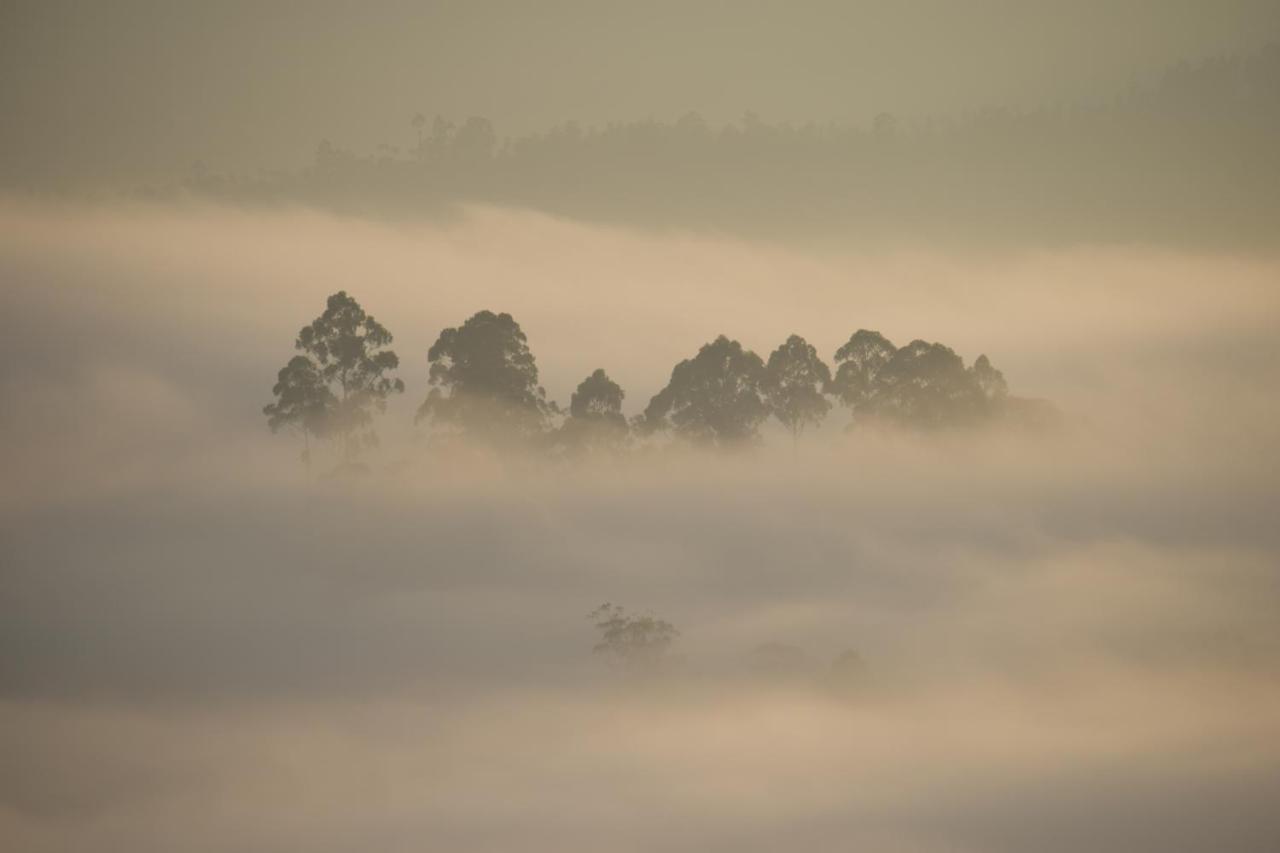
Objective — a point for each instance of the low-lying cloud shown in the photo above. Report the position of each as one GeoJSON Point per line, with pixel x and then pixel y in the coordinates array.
{"type": "Point", "coordinates": [1068, 635]}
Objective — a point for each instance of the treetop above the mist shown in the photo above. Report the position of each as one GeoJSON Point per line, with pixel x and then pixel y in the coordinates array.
{"type": "Point", "coordinates": [595, 420]}
{"type": "Point", "coordinates": [349, 346]}
{"type": "Point", "coordinates": [633, 643]}
{"type": "Point", "coordinates": [597, 398]}
{"type": "Point", "coordinates": [858, 363]}
{"type": "Point", "coordinates": [485, 378]}
{"type": "Point", "coordinates": [341, 379]}
{"type": "Point", "coordinates": [715, 398]}
{"type": "Point", "coordinates": [796, 382]}
{"type": "Point", "coordinates": [303, 400]}
{"type": "Point", "coordinates": [484, 384]}
{"type": "Point", "coordinates": [922, 384]}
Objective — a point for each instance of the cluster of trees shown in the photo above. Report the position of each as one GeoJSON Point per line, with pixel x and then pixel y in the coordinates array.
{"type": "Point", "coordinates": [484, 384]}
{"type": "Point", "coordinates": [1189, 158]}
{"type": "Point", "coordinates": [632, 642]}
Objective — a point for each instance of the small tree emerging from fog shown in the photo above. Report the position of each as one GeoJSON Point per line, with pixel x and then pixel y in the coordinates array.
{"type": "Point", "coordinates": [716, 397]}
{"type": "Point", "coordinates": [595, 419]}
{"type": "Point", "coordinates": [635, 643]}
{"type": "Point", "coordinates": [485, 380]}
{"type": "Point", "coordinates": [990, 382]}
{"type": "Point", "coordinates": [334, 388]}
{"type": "Point", "coordinates": [795, 385]}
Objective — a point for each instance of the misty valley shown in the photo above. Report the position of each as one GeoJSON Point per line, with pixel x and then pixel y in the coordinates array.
{"type": "Point", "coordinates": [855, 431]}
{"type": "Point", "coordinates": [848, 587]}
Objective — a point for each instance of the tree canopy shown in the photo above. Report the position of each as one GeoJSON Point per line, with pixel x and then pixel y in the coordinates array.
{"type": "Point", "coordinates": [922, 384]}
{"type": "Point", "coordinates": [926, 384]}
{"type": "Point", "coordinates": [796, 382]}
{"type": "Point", "coordinates": [1104, 171]}
{"type": "Point", "coordinates": [858, 364]}
{"type": "Point", "coordinates": [303, 401]}
{"type": "Point", "coordinates": [342, 378]}
{"type": "Point", "coordinates": [715, 398]}
{"type": "Point", "coordinates": [595, 418]}
{"type": "Point", "coordinates": [633, 643]}
{"type": "Point", "coordinates": [485, 380]}
{"type": "Point", "coordinates": [484, 384]}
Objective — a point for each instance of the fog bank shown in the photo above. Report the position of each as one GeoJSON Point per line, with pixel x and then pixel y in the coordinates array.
{"type": "Point", "coordinates": [1068, 635]}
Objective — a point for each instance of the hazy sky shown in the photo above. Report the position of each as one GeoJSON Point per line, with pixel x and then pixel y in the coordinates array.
{"type": "Point", "coordinates": [138, 87]}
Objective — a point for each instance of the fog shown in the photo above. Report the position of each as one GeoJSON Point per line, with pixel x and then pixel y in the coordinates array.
{"type": "Point", "coordinates": [612, 577]}
{"type": "Point", "coordinates": [1067, 631]}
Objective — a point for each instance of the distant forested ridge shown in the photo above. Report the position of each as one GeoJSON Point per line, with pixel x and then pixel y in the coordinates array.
{"type": "Point", "coordinates": [1190, 159]}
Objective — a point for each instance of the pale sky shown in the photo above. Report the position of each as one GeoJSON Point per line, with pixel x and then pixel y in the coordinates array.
{"type": "Point", "coordinates": [133, 88]}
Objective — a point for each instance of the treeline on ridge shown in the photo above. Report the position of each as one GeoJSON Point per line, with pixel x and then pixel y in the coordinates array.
{"type": "Point", "coordinates": [1189, 158]}
{"type": "Point", "coordinates": [484, 386]}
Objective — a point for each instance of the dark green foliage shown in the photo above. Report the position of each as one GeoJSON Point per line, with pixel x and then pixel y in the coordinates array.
{"type": "Point", "coordinates": [595, 419]}
{"type": "Point", "coordinates": [349, 349]}
{"type": "Point", "coordinates": [921, 385]}
{"type": "Point", "coordinates": [858, 364]}
{"type": "Point", "coordinates": [485, 384]}
{"type": "Point", "coordinates": [597, 398]}
{"type": "Point", "coordinates": [485, 380]}
{"type": "Point", "coordinates": [926, 384]}
{"type": "Point", "coordinates": [796, 380]}
{"type": "Point", "coordinates": [334, 389]}
{"type": "Point", "coordinates": [714, 398]}
{"type": "Point", "coordinates": [303, 401]}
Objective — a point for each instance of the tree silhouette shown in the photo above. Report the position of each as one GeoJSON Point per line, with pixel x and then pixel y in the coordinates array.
{"type": "Point", "coordinates": [926, 385]}
{"type": "Point", "coordinates": [347, 351]}
{"type": "Point", "coordinates": [303, 402]}
{"type": "Point", "coordinates": [713, 398]}
{"type": "Point", "coordinates": [1000, 173]}
{"type": "Point", "coordinates": [920, 385]}
{"type": "Point", "coordinates": [795, 385]}
{"type": "Point", "coordinates": [485, 380]}
{"type": "Point", "coordinates": [858, 366]}
{"type": "Point", "coordinates": [595, 419]}
{"type": "Point", "coordinates": [990, 382]}
{"type": "Point", "coordinates": [634, 643]}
